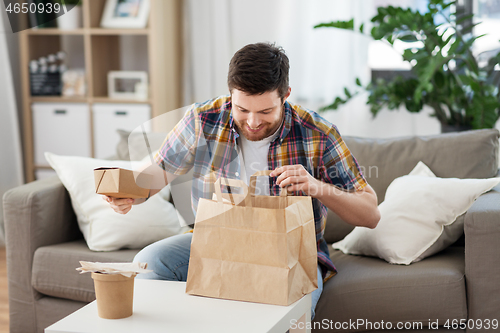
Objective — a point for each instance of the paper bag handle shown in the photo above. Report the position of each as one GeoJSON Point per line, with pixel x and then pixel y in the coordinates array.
{"type": "Point", "coordinates": [232, 183]}
{"type": "Point", "coordinates": [253, 182]}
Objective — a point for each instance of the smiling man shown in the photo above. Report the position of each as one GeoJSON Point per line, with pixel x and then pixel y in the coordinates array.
{"type": "Point", "coordinates": [253, 129]}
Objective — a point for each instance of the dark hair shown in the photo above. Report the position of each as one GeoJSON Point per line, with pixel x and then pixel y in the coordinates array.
{"type": "Point", "coordinates": [259, 68]}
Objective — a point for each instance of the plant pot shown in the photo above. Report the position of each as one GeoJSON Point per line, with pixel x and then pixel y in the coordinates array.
{"type": "Point", "coordinates": [70, 20]}
{"type": "Point", "coordinates": [447, 128]}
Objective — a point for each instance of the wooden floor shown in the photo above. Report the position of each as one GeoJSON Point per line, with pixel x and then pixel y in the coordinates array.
{"type": "Point", "coordinates": [4, 297]}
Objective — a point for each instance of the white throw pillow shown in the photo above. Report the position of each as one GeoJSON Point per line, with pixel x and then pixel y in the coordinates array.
{"type": "Point", "coordinates": [451, 232]}
{"type": "Point", "coordinates": [416, 209]}
{"type": "Point", "coordinates": [103, 228]}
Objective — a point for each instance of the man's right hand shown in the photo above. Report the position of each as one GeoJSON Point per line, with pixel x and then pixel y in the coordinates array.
{"type": "Point", "coordinates": [119, 205]}
{"type": "Point", "coordinates": [160, 179]}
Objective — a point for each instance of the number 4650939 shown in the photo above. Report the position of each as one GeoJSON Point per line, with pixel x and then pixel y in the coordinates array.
{"type": "Point", "coordinates": [33, 8]}
{"type": "Point", "coordinates": [471, 323]}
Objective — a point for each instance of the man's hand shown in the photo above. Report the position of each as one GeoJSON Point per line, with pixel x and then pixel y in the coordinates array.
{"type": "Point", "coordinates": [121, 206]}
{"type": "Point", "coordinates": [297, 178]}
{"type": "Point", "coordinates": [358, 208]}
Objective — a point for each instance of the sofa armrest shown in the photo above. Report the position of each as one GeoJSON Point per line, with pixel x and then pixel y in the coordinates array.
{"type": "Point", "coordinates": [35, 214]}
{"type": "Point", "coordinates": [482, 260]}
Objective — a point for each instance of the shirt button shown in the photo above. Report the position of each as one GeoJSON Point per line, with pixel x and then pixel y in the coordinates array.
{"type": "Point", "coordinates": [237, 174]}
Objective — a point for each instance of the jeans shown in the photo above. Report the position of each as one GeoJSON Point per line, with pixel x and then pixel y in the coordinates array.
{"type": "Point", "coordinates": [169, 260]}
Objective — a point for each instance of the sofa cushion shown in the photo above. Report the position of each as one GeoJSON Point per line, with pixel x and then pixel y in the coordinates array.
{"type": "Point", "coordinates": [371, 289]}
{"type": "Point", "coordinates": [55, 274]}
{"type": "Point", "coordinates": [469, 154]}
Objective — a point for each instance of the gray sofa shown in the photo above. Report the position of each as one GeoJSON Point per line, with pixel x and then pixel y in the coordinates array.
{"type": "Point", "coordinates": [44, 246]}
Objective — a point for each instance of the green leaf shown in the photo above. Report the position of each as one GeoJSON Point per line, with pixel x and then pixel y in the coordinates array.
{"type": "Point", "coordinates": [465, 79]}
{"type": "Point", "coordinates": [347, 25]}
{"type": "Point", "coordinates": [448, 5]}
{"type": "Point", "coordinates": [408, 38]}
{"type": "Point", "coordinates": [358, 82]}
{"type": "Point", "coordinates": [382, 11]}
{"type": "Point", "coordinates": [464, 18]}
{"type": "Point", "coordinates": [454, 46]}
{"type": "Point", "coordinates": [347, 93]}
{"type": "Point", "coordinates": [412, 106]}
{"type": "Point", "coordinates": [475, 86]}
{"type": "Point", "coordinates": [477, 37]}
{"type": "Point", "coordinates": [391, 10]}
{"type": "Point", "coordinates": [334, 106]}
{"type": "Point", "coordinates": [361, 28]}
{"type": "Point", "coordinates": [439, 79]}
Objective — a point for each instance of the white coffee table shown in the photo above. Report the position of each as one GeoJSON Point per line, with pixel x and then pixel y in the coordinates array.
{"type": "Point", "coordinates": [163, 306]}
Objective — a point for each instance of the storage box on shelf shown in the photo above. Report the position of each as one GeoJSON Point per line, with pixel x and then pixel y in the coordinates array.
{"type": "Point", "coordinates": [108, 118]}
{"type": "Point", "coordinates": [61, 128]}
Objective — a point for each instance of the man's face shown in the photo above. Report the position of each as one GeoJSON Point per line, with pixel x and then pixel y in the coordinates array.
{"type": "Point", "coordinates": [257, 116]}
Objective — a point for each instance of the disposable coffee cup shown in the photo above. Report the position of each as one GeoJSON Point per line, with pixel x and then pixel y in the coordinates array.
{"type": "Point", "coordinates": [114, 294]}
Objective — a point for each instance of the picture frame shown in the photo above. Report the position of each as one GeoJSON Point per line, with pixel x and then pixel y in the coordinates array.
{"type": "Point", "coordinates": [128, 14]}
{"type": "Point", "coordinates": [128, 85]}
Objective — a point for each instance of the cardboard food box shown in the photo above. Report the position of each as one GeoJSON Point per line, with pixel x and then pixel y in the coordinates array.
{"type": "Point", "coordinates": [121, 183]}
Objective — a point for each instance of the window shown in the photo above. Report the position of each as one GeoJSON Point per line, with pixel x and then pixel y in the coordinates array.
{"type": "Point", "coordinates": [386, 61]}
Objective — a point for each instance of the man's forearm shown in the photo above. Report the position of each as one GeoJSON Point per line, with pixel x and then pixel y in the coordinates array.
{"type": "Point", "coordinates": [357, 208]}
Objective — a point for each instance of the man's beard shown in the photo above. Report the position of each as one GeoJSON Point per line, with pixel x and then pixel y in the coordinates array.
{"type": "Point", "coordinates": [266, 129]}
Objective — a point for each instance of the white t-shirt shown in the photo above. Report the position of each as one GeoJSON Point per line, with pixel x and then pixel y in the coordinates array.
{"type": "Point", "coordinates": [253, 158]}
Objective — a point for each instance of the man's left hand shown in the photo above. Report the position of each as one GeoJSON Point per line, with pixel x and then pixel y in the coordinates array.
{"type": "Point", "coordinates": [296, 178]}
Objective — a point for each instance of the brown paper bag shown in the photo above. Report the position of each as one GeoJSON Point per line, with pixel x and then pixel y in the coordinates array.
{"type": "Point", "coordinates": [256, 248]}
{"type": "Point", "coordinates": [121, 183]}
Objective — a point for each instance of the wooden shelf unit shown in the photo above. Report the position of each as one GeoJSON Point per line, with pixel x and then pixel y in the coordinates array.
{"type": "Point", "coordinates": [102, 54]}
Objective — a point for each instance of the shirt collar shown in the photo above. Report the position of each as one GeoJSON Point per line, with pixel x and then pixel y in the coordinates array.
{"type": "Point", "coordinates": [287, 123]}
{"type": "Point", "coordinates": [231, 121]}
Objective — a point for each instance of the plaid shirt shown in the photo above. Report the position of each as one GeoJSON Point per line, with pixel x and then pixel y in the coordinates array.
{"type": "Point", "coordinates": [205, 139]}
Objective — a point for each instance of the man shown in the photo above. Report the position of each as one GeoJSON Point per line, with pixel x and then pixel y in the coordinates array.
{"type": "Point", "coordinates": [254, 129]}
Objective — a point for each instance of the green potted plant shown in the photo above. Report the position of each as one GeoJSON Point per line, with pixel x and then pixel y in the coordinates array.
{"type": "Point", "coordinates": [445, 74]}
